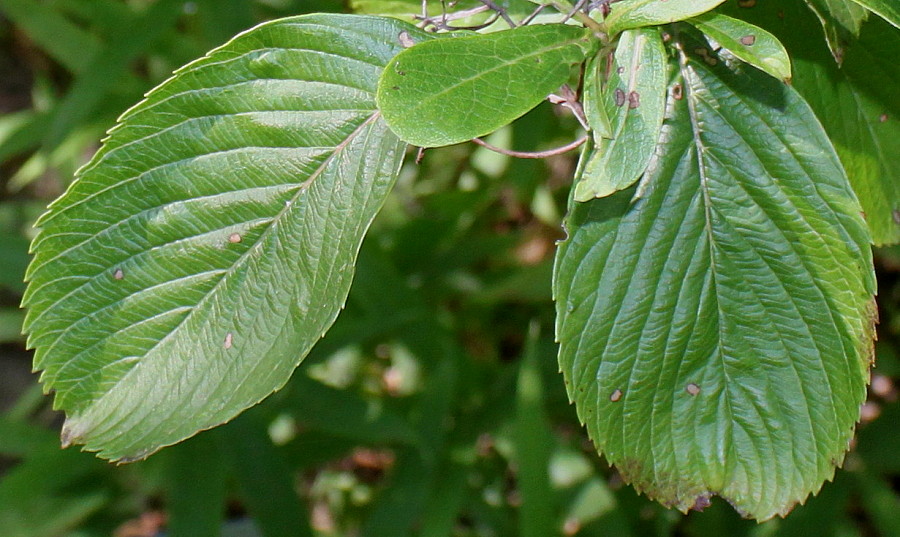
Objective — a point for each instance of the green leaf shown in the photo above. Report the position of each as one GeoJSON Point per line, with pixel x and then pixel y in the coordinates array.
{"type": "Point", "coordinates": [841, 20]}
{"type": "Point", "coordinates": [265, 480]}
{"type": "Point", "coordinates": [716, 331]}
{"type": "Point", "coordinates": [857, 104]}
{"type": "Point", "coordinates": [594, 106]}
{"type": "Point", "coordinates": [212, 239]}
{"type": "Point", "coordinates": [637, 13]}
{"type": "Point", "coordinates": [889, 10]}
{"type": "Point", "coordinates": [634, 100]}
{"type": "Point", "coordinates": [196, 479]}
{"type": "Point", "coordinates": [62, 39]}
{"type": "Point", "coordinates": [750, 43]}
{"type": "Point", "coordinates": [447, 91]}
{"type": "Point", "coordinates": [533, 437]}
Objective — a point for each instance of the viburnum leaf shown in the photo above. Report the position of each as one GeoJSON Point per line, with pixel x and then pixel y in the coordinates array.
{"type": "Point", "coordinates": [856, 103]}
{"type": "Point", "coordinates": [716, 328]}
{"type": "Point", "coordinates": [637, 13]}
{"type": "Point", "coordinates": [750, 43]}
{"type": "Point", "coordinates": [633, 100]}
{"type": "Point", "coordinates": [212, 239]}
{"type": "Point", "coordinates": [448, 91]}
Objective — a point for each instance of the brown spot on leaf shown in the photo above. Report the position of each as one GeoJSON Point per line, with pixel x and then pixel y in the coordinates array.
{"type": "Point", "coordinates": [616, 396]}
{"type": "Point", "coordinates": [883, 118]}
{"type": "Point", "coordinates": [405, 40]}
{"type": "Point", "coordinates": [701, 503]}
{"type": "Point", "coordinates": [896, 214]}
{"type": "Point", "coordinates": [748, 40]}
{"type": "Point", "coordinates": [620, 97]}
{"type": "Point", "coordinates": [677, 92]}
{"type": "Point", "coordinates": [229, 340]}
{"type": "Point", "coordinates": [119, 274]}
{"type": "Point", "coordinates": [692, 388]}
{"type": "Point", "coordinates": [234, 238]}
{"type": "Point", "coordinates": [747, 3]}
{"type": "Point", "coordinates": [634, 99]}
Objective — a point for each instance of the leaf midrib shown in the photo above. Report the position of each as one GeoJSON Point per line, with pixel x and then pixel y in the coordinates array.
{"type": "Point", "coordinates": [701, 154]}
{"type": "Point", "coordinates": [244, 256]}
{"type": "Point", "coordinates": [439, 95]}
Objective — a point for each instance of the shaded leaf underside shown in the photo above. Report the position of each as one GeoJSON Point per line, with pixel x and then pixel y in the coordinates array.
{"type": "Point", "coordinates": [716, 330]}
{"type": "Point", "coordinates": [212, 239]}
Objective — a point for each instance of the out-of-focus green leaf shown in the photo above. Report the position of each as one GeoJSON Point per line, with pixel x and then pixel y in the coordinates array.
{"type": "Point", "coordinates": [716, 332]}
{"type": "Point", "coordinates": [11, 324]}
{"type": "Point", "coordinates": [447, 91]}
{"type": "Point", "coordinates": [533, 441]}
{"type": "Point", "coordinates": [343, 413]}
{"type": "Point", "coordinates": [634, 99]}
{"type": "Point", "coordinates": [881, 501]}
{"type": "Point", "coordinates": [637, 13]}
{"type": "Point", "coordinates": [108, 66]}
{"type": "Point", "coordinates": [212, 239]}
{"type": "Point", "coordinates": [196, 486]}
{"type": "Point", "coordinates": [49, 493]}
{"type": "Point", "coordinates": [266, 482]}
{"type": "Point", "coordinates": [63, 40]}
{"type": "Point", "coordinates": [20, 439]}
{"type": "Point", "coordinates": [750, 43]}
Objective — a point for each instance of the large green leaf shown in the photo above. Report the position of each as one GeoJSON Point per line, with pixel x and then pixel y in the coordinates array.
{"type": "Point", "coordinates": [716, 329]}
{"type": "Point", "coordinates": [634, 101]}
{"type": "Point", "coordinates": [636, 13]}
{"type": "Point", "coordinates": [448, 91]}
{"type": "Point", "coordinates": [212, 239]}
{"type": "Point", "coordinates": [889, 10]}
{"type": "Point", "coordinates": [856, 103]}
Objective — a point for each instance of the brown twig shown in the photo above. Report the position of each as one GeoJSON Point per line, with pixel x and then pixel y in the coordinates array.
{"type": "Point", "coordinates": [532, 154]}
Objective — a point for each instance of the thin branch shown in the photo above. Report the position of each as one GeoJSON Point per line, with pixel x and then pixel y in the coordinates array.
{"type": "Point", "coordinates": [494, 7]}
{"type": "Point", "coordinates": [532, 154]}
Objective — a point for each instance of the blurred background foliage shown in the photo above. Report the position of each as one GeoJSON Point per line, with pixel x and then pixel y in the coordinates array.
{"type": "Point", "coordinates": [433, 407]}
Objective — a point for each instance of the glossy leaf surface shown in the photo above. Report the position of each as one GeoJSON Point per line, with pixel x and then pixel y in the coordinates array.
{"type": "Point", "coordinates": [636, 13]}
{"type": "Point", "coordinates": [634, 101]}
{"type": "Point", "coordinates": [856, 103]}
{"type": "Point", "coordinates": [716, 331]}
{"type": "Point", "coordinates": [212, 239]}
{"type": "Point", "coordinates": [750, 43]}
{"type": "Point", "coordinates": [448, 91]}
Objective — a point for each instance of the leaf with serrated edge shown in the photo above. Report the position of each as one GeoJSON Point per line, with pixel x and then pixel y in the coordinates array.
{"type": "Point", "coordinates": [634, 100]}
{"type": "Point", "coordinates": [448, 91]}
{"type": "Point", "coordinates": [750, 43]}
{"type": "Point", "coordinates": [212, 239]}
{"type": "Point", "coordinates": [856, 103]}
{"type": "Point", "coordinates": [716, 331]}
{"type": "Point", "coordinates": [637, 13]}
